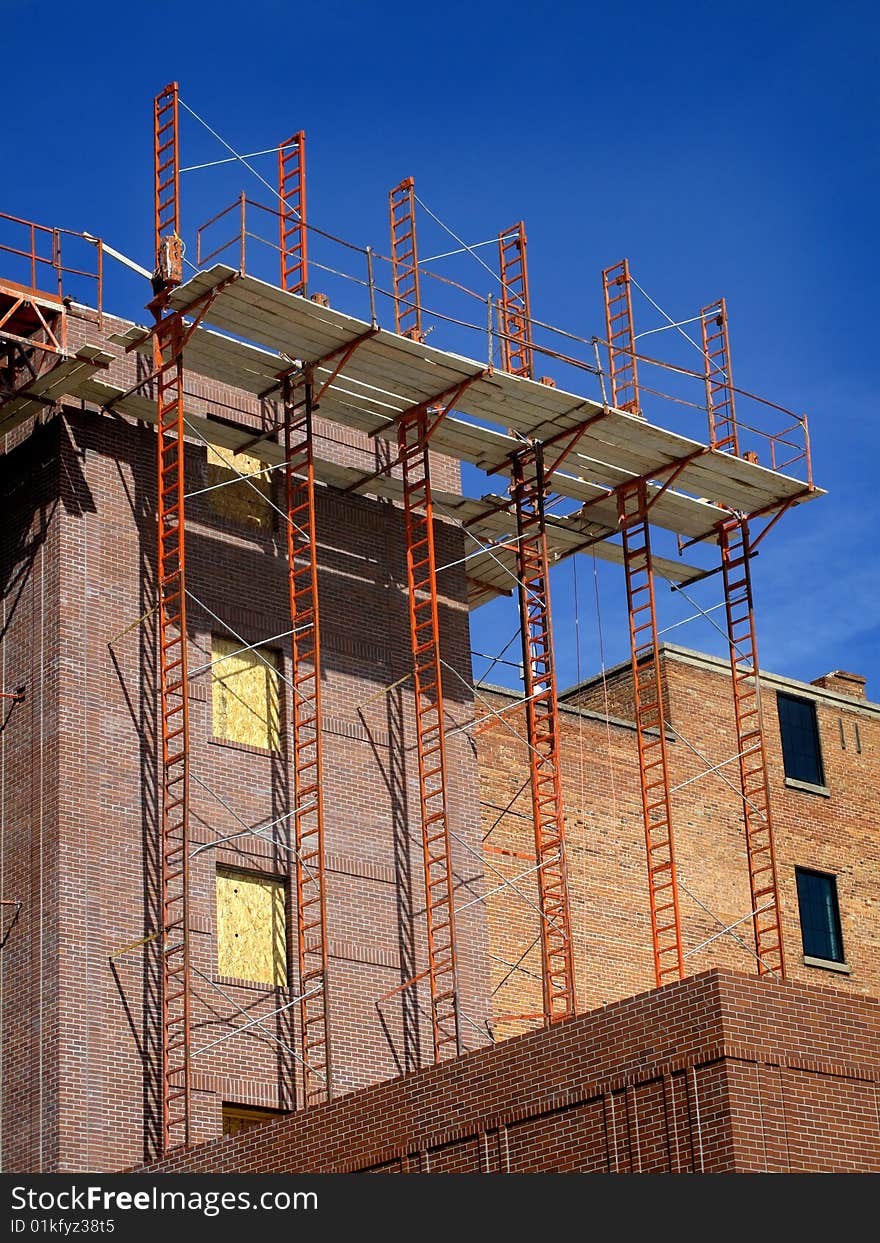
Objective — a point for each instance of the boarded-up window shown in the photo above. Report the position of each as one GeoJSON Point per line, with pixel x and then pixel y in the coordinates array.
{"type": "Point", "coordinates": [246, 699]}
{"type": "Point", "coordinates": [251, 927]}
{"type": "Point", "coordinates": [238, 1118]}
{"type": "Point", "coordinates": [245, 503]}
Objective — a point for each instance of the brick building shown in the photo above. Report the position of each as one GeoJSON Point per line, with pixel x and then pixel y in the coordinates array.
{"type": "Point", "coordinates": [638, 1078]}
{"type": "Point", "coordinates": [79, 760]}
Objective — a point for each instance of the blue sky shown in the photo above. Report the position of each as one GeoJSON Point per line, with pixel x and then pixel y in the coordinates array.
{"type": "Point", "coordinates": [724, 149]}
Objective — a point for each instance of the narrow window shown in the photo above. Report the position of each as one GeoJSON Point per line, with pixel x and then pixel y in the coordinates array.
{"type": "Point", "coordinates": [244, 501]}
{"type": "Point", "coordinates": [820, 915]}
{"type": "Point", "coordinates": [799, 729]}
{"type": "Point", "coordinates": [246, 699]}
{"type": "Point", "coordinates": [238, 1118]}
{"type": "Point", "coordinates": [251, 927]}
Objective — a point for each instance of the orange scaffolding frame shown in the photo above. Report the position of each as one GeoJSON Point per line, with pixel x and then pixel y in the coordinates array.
{"type": "Point", "coordinates": [650, 720]}
{"type": "Point", "coordinates": [622, 358]}
{"type": "Point", "coordinates": [405, 260]}
{"type": "Point", "coordinates": [413, 435]}
{"type": "Point", "coordinates": [171, 586]}
{"type": "Point", "coordinates": [720, 401]}
{"type": "Point", "coordinates": [170, 335]}
{"type": "Point", "coordinates": [528, 491]}
{"type": "Point", "coordinates": [515, 305]}
{"type": "Point", "coordinates": [542, 734]}
{"type": "Point", "coordinates": [293, 235]}
{"type": "Point", "coordinates": [736, 554]}
{"type": "Point", "coordinates": [311, 906]}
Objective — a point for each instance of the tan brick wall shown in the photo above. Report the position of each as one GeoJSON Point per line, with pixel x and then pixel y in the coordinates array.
{"type": "Point", "coordinates": [605, 839]}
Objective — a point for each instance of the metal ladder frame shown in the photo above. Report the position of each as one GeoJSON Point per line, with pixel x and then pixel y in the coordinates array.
{"type": "Point", "coordinates": [514, 304]}
{"type": "Point", "coordinates": [542, 732]}
{"type": "Point", "coordinates": [405, 261]}
{"type": "Point", "coordinates": [623, 369]}
{"type": "Point", "coordinates": [632, 502]}
{"type": "Point", "coordinates": [311, 907]}
{"type": "Point", "coordinates": [413, 434]}
{"type": "Point", "coordinates": [733, 540]}
{"type": "Point", "coordinates": [723, 430]}
{"type": "Point", "coordinates": [293, 235]}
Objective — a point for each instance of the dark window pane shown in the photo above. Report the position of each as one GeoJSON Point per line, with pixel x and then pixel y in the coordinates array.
{"type": "Point", "coordinates": [820, 915]}
{"type": "Point", "coordinates": [800, 739]}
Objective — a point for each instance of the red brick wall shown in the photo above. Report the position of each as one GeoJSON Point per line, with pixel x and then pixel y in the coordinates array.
{"type": "Point", "coordinates": [30, 755]}
{"type": "Point", "coordinates": [719, 1073]}
{"type": "Point", "coordinates": [80, 1041]}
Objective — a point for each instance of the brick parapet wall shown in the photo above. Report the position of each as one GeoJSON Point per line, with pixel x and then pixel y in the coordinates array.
{"type": "Point", "coordinates": [718, 1073]}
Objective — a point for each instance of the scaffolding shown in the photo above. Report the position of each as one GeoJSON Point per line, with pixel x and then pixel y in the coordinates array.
{"type": "Point", "coordinates": [619, 474]}
{"type": "Point", "coordinates": [308, 804]}
{"type": "Point", "coordinates": [542, 734]}
{"type": "Point", "coordinates": [515, 304]}
{"type": "Point", "coordinates": [173, 656]}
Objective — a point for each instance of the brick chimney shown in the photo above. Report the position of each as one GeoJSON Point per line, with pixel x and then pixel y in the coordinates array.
{"type": "Point", "coordinates": [843, 683]}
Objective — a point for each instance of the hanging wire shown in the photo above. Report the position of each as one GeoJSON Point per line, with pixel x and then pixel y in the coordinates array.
{"type": "Point", "coordinates": [231, 159]}
{"type": "Point", "coordinates": [463, 250]}
{"type": "Point", "coordinates": [241, 158]}
{"type": "Point", "coordinates": [671, 323]}
{"type": "Point", "coordinates": [464, 244]}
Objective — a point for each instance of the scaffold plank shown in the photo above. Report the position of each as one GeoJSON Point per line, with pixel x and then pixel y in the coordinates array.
{"type": "Point", "coordinates": [66, 378]}
{"type": "Point", "coordinates": [412, 372]}
{"type": "Point", "coordinates": [373, 411]}
{"type": "Point", "coordinates": [564, 535]}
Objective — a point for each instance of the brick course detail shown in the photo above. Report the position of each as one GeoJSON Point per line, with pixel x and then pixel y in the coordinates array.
{"type": "Point", "coordinates": [719, 1073]}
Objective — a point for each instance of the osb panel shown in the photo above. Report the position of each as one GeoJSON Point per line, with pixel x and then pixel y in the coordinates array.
{"type": "Point", "coordinates": [246, 503]}
{"type": "Point", "coordinates": [239, 1118]}
{"type": "Point", "coordinates": [246, 694]}
{"type": "Point", "coordinates": [251, 927]}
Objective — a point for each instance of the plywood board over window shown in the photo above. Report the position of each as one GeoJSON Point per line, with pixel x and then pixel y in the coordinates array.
{"type": "Point", "coordinates": [243, 502]}
{"type": "Point", "coordinates": [246, 696]}
{"type": "Point", "coordinates": [239, 1118]}
{"type": "Point", "coordinates": [251, 927]}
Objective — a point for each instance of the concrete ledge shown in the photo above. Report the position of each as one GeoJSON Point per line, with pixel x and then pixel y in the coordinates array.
{"type": "Point", "coordinates": [807, 787]}
{"type": "Point", "coordinates": [827, 964]}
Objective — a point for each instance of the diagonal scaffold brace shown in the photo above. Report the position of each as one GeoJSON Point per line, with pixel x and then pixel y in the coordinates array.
{"type": "Point", "coordinates": [413, 436]}
{"type": "Point", "coordinates": [311, 905]}
{"type": "Point", "coordinates": [633, 507]}
{"type": "Point", "coordinates": [542, 726]}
